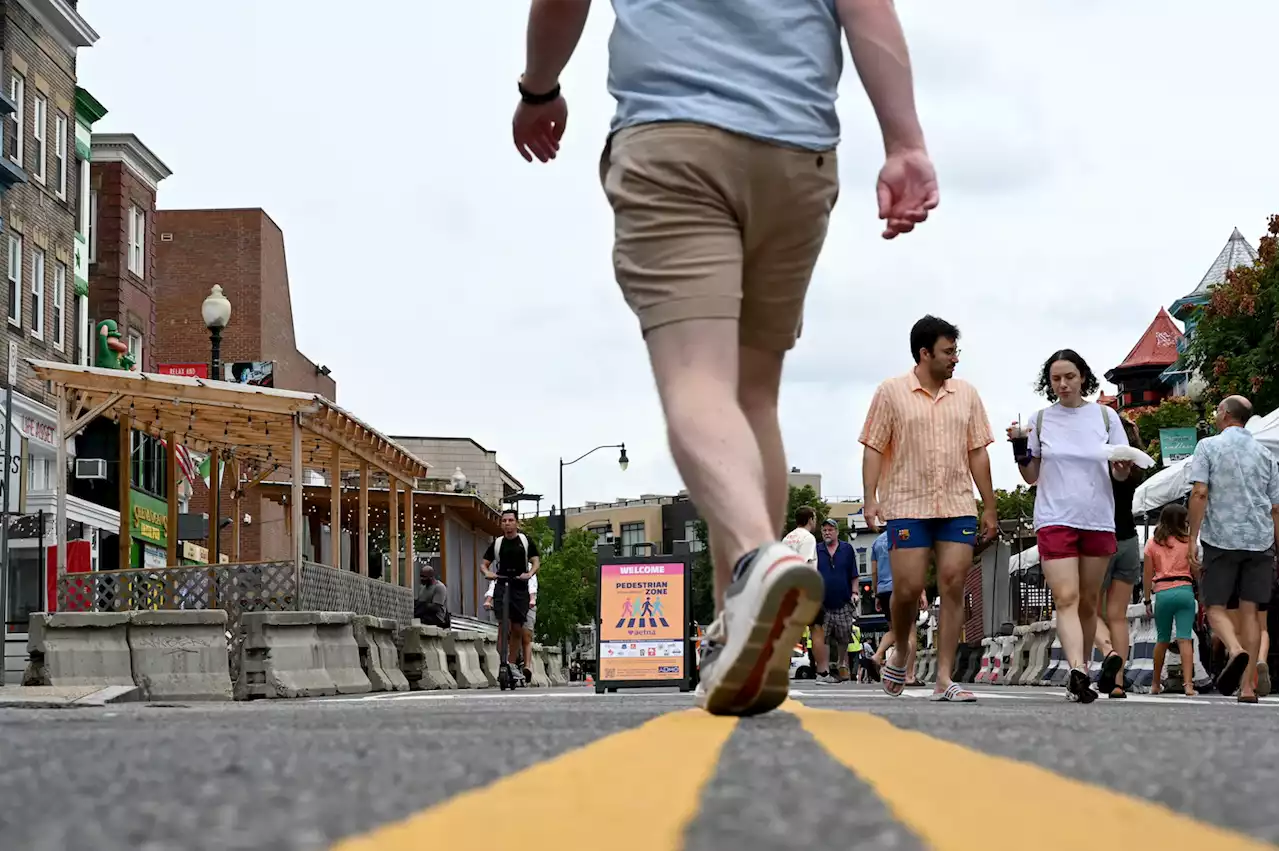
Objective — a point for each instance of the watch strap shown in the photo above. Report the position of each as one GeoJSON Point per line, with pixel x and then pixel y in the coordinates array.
{"type": "Point", "coordinates": [537, 98]}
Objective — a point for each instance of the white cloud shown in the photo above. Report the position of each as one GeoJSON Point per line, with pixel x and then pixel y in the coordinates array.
{"type": "Point", "coordinates": [1092, 158]}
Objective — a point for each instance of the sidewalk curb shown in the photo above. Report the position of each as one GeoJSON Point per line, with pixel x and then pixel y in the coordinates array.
{"type": "Point", "coordinates": [101, 697]}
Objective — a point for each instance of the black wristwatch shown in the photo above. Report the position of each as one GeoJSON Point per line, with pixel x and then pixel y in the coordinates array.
{"type": "Point", "coordinates": [534, 98]}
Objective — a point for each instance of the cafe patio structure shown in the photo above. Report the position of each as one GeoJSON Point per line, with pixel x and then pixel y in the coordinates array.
{"type": "Point", "coordinates": [259, 433]}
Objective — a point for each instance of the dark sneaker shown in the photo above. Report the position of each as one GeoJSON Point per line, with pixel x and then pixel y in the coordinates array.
{"type": "Point", "coordinates": [1079, 688]}
{"type": "Point", "coordinates": [746, 659]}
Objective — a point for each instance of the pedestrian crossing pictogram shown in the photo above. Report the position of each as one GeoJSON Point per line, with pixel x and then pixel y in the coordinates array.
{"type": "Point", "coordinates": [635, 614]}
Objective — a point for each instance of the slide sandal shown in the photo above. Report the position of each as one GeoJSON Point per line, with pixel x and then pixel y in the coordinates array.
{"type": "Point", "coordinates": [893, 679]}
{"type": "Point", "coordinates": [954, 694]}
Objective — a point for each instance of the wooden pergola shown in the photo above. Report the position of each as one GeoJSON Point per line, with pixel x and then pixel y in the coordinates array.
{"type": "Point", "coordinates": [258, 431]}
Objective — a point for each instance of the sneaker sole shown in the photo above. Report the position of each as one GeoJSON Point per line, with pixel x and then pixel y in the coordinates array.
{"type": "Point", "coordinates": [749, 684]}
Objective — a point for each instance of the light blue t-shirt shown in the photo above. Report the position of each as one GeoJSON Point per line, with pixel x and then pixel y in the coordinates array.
{"type": "Point", "coordinates": [762, 68]}
{"type": "Point", "coordinates": [880, 555]}
{"type": "Point", "coordinates": [1242, 478]}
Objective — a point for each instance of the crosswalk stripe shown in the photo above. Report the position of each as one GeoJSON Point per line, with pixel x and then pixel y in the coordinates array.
{"type": "Point", "coordinates": [575, 800]}
{"type": "Point", "coordinates": [939, 790]}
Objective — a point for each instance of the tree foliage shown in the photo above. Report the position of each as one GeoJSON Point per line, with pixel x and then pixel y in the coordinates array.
{"type": "Point", "coordinates": [797, 497]}
{"type": "Point", "coordinates": [1011, 505]}
{"type": "Point", "coordinates": [1234, 346]}
{"type": "Point", "coordinates": [703, 603]}
{"type": "Point", "coordinates": [566, 580]}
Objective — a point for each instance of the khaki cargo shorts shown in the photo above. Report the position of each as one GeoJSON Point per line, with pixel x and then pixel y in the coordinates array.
{"type": "Point", "coordinates": [709, 224]}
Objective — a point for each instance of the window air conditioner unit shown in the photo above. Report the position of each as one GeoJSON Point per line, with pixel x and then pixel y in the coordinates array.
{"type": "Point", "coordinates": [91, 468]}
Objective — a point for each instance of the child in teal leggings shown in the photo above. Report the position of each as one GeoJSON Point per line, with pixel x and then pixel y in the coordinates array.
{"type": "Point", "coordinates": [1167, 570]}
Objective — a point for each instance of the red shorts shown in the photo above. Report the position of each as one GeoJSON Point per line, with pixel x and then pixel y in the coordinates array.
{"type": "Point", "coordinates": [1056, 542]}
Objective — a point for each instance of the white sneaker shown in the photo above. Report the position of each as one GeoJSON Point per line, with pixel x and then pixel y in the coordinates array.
{"type": "Point", "coordinates": [746, 659]}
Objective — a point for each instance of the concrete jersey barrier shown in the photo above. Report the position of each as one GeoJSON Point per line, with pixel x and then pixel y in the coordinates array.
{"type": "Point", "coordinates": [423, 659]}
{"type": "Point", "coordinates": [379, 657]}
{"type": "Point", "coordinates": [539, 668]}
{"type": "Point", "coordinates": [463, 650]}
{"type": "Point", "coordinates": [180, 654]}
{"type": "Point", "coordinates": [490, 664]}
{"type": "Point", "coordinates": [340, 653]}
{"type": "Point", "coordinates": [281, 657]}
{"type": "Point", "coordinates": [78, 649]}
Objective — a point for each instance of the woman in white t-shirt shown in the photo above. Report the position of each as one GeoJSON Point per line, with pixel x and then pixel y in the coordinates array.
{"type": "Point", "coordinates": [1062, 451]}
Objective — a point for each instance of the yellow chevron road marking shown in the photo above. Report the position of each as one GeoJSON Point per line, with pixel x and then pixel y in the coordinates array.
{"type": "Point", "coordinates": [956, 799]}
{"type": "Point", "coordinates": [578, 801]}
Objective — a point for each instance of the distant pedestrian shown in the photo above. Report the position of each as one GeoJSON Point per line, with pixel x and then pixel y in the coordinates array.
{"type": "Point", "coordinates": [838, 564]}
{"type": "Point", "coordinates": [925, 447]}
{"type": "Point", "coordinates": [801, 538]}
{"type": "Point", "coordinates": [1062, 454]}
{"type": "Point", "coordinates": [513, 559]}
{"type": "Point", "coordinates": [882, 581]}
{"type": "Point", "coordinates": [1234, 483]}
{"type": "Point", "coordinates": [432, 604]}
{"type": "Point", "coordinates": [526, 635]}
{"type": "Point", "coordinates": [1168, 591]}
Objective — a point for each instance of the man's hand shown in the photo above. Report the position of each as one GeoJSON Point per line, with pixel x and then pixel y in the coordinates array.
{"type": "Point", "coordinates": [489, 574]}
{"type": "Point", "coordinates": [488, 603]}
{"type": "Point", "coordinates": [906, 190]}
{"type": "Point", "coordinates": [537, 130]}
{"type": "Point", "coordinates": [525, 576]}
{"type": "Point", "coordinates": [872, 514]}
{"type": "Point", "coordinates": [990, 523]}
{"type": "Point", "coordinates": [1120, 470]}
{"type": "Point", "coordinates": [878, 603]}
{"type": "Point", "coordinates": [1193, 555]}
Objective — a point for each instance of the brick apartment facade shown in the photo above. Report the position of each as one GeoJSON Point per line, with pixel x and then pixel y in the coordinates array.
{"type": "Point", "coordinates": [243, 252]}
{"type": "Point", "coordinates": [125, 176]}
{"type": "Point", "coordinates": [40, 39]}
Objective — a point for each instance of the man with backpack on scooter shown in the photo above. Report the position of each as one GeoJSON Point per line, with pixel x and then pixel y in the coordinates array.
{"type": "Point", "coordinates": [512, 558]}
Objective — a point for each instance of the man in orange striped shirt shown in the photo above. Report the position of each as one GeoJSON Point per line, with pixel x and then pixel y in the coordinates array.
{"type": "Point", "coordinates": [925, 446]}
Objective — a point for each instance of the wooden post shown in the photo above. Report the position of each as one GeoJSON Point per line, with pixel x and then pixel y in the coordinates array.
{"type": "Point", "coordinates": [475, 571]}
{"type": "Point", "coordinates": [237, 512]}
{"type": "Point", "coordinates": [295, 495]}
{"type": "Point", "coordinates": [60, 437]}
{"type": "Point", "coordinates": [335, 509]}
{"type": "Point", "coordinates": [125, 457]}
{"type": "Point", "coordinates": [393, 537]}
{"type": "Point", "coordinates": [407, 578]}
{"type": "Point", "coordinates": [444, 546]}
{"type": "Point", "coordinates": [215, 506]}
{"type": "Point", "coordinates": [171, 523]}
{"type": "Point", "coordinates": [363, 557]}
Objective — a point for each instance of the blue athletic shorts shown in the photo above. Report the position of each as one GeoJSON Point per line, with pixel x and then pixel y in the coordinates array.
{"type": "Point", "coordinates": [909, 534]}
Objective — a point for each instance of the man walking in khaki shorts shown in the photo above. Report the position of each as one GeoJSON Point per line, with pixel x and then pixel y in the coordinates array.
{"type": "Point", "coordinates": [721, 170]}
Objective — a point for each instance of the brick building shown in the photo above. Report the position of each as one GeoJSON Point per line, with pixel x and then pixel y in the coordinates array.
{"type": "Point", "coordinates": [40, 39]}
{"type": "Point", "coordinates": [125, 176]}
{"type": "Point", "coordinates": [243, 252]}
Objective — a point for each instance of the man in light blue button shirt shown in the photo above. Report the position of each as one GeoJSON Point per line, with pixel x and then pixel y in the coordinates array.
{"type": "Point", "coordinates": [721, 170]}
{"type": "Point", "coordinates": [1235, 511]}
{"type": "Point", "coordinates": [882, 576]}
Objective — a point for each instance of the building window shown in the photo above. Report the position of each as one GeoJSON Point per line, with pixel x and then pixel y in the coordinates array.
{"type": "Point", "coordinates": [59, 305]}
{"type": "Point", "coordinates": [632, 534]}
{"type": "Point", "coordinates": [135, 349]}
{"type": "Point", "coordinates": [603, 535]}
{"type": "Point", "coordinates": [149, 472]}
{"type": "Point", "coordinates": [137, 241]}
{"type": "Point", "coordinates": [37, 294]}
{"type": "Point", "coordinates": [18, 91]}
{"type": "Point", "coordinates": [40, 472]}
{"type": "Point", "coordinates": [15, 279]}
{"type": "Point", "coordinates": [91, 235]}
{"type": "Point", "coordinates": [691, 535]}
{"type": "Point", "coordinates": [60, 155]}
{"type": "Point", "coordinates": [39, 130]}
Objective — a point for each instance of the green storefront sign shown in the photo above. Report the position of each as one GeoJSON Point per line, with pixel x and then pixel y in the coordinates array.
{"type": "Point", "coordinates": [148, 525]}
{"type": "Point", "coordinates": [1176, 444]}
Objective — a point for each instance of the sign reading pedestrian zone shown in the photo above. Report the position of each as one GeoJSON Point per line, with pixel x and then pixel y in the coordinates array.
{"type": "Point", "coordinates": [643, 622]}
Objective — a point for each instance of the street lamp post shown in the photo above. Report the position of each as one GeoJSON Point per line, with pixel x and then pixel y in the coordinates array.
{"type": "Point", "coordinates": [216, 312]}
{"type": "Point", "coordinates": [623, 461]}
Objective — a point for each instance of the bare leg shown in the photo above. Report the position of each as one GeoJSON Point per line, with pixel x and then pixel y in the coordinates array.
{"type": "Point", "coordinates": [527, 635]}
{"type": "Point", "coordinates": [759, 382]}
{"type": "Point", "coordinates": [1251, 640]}
{"type": "Point", "coordinates": [883, 650]}
{"type": "Point", "coordinates": [911, 656]}
{"type": "Point", "coordinates": [1092, 569]}
{"type": "Point", "coordinates": [1102, 638]}
{"type": "Point", "coordinates": [1117, 621]}
{"type": "Point", "coordinates": [1224, 628]}
{"type": "Point", "coordinates": [695, 365]}
{"type": "Point", "coordinates": [1188, 666]}
{"type": "Point", "coordinates": [909, 568]}
{"type": "Point", "coordinates": [1063, 578]}
{"type": "Point", "coordinates": [1264, 647]}
{"type": "Point", "coordinates": [953, 562]}
{"type": "Point", "coordinates": [513, 643]}
{"type": "Point", "coordinates": [1157, 667]}
{"type": "Point", "coordinates": [821, 655]}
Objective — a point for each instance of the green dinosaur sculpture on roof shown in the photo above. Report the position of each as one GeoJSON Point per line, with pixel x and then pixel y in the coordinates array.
{"type": "Point", "coordinates": [112, 351]}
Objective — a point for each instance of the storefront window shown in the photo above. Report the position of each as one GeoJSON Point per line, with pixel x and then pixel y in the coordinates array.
{"type": "Point", "coordinates": [24, 587]}
{"type": "Point", "coordinates": [149, 471]}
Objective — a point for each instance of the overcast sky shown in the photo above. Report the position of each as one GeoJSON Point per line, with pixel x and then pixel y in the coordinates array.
{"type": "Point", "coordinates": [1092, 159]}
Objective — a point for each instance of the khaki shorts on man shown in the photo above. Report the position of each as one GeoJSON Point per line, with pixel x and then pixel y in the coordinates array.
{"type": "Point", "coordinates": [711, 224]}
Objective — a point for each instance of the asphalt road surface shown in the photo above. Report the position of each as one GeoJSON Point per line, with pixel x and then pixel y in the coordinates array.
{"type": "Point", "coordinates": [838, 767]}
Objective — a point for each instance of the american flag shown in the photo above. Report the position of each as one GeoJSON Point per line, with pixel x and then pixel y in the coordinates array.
{"type": "Point", "coordinates": [185, 465]}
